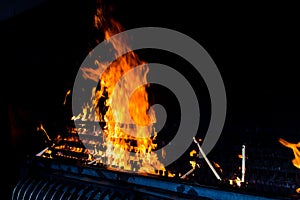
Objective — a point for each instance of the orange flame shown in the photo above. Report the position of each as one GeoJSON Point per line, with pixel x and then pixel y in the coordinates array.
{"type": "Point", "coordinates": [118, 134]}
{"type": "Point", "coordinates": [41, 128]}
{"type": "Point", "coordinates": [294, 147]}
{"type": "Point", "coordinates": [67, 94]}
{"type": "Point", "coordinates": [218, 166]}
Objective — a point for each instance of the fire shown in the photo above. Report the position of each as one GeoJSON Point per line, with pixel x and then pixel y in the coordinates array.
{"type": "Point", "coordinates": [237, 181]}
{"type": "Point", "coordinates": [294, 147]}
{"type": "Point", "coordinates": [67, 94]}
{"type": "Point", "coordinates": [218, 166]}
{"type": "Point", "coordinates": [193, 163]}
{"type": "Point", "coordinates": [41, 128]}
{"type": "Point", "coordinates": [193, 152]}
{"type": "Point", "coordinates": [127, 146]}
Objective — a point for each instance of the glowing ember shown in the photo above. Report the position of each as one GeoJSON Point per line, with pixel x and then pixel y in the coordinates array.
{"type": "Point", "coordinates": [124, 146]}
{"type": "Point", "coordinates": [294, 147]}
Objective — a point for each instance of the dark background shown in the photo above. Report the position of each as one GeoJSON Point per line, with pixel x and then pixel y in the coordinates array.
{"type": "Point", "coordinates": [255, 47]}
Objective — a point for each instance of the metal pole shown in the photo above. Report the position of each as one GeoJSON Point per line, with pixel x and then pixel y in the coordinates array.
{"type": "Point", "coordinates": [243, 162]}
{"type": "Point", "coordinates": [207, 161]}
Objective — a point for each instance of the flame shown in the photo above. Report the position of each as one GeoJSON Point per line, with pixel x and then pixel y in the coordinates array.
{"type": "Point", "coordinates": [294, 147]}
{"type": "Point", "coordinates": [193, 163]}
{"type": "Point", "coordinates": [218, 166]}
{"type": "Point", "coordinates": [41, 128]}
{"type": "Point", "coordinates": [127, 147]}
{"type": "Point", "coordinates": [237, 181]}
{"type": "Point", "coordinates": [67, 94]}
{"type": "Point", "coordinates": [193, 152]}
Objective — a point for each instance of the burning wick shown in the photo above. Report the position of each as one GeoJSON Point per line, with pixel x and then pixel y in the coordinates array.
{"type": "Point", "coordinates": [206, 159]}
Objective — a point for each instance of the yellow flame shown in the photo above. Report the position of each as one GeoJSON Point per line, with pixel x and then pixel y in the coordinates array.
{"type": "Point", "coordinates": [193, 152]}
{"type": "Point", "coordinates": [294, 147]}
{"type": "Point", "coordinates": [119, 136]}
{"type": "Point", "coordinates": [193, 163]}
{"type": "Point", "coordinates": [237, 181]}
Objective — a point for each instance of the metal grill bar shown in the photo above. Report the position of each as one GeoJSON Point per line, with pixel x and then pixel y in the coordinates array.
{"type": "Point", "coordinates": [55, 180]}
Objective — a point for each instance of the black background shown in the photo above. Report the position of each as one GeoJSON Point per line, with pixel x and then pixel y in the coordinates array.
{"type": "Point", "coordinates": [255, 47]}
